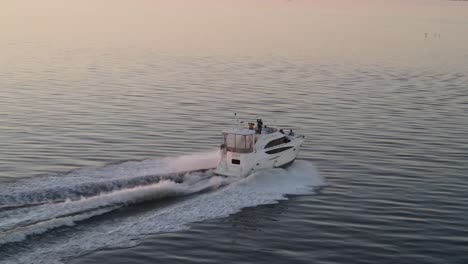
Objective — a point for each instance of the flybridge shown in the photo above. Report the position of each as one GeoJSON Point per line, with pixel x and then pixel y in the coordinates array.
{"type": "Point", "coordinates": [239, 140]}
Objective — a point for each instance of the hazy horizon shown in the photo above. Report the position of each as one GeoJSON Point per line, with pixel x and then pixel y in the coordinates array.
{"type": "Point", "coordinates": [363, 30]}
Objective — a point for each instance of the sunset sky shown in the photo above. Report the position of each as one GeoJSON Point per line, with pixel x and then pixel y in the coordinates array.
{"type": "Point", "coordinates": [320, 27]}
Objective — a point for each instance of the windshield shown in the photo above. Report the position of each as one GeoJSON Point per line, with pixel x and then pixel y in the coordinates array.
{"type": "Point", "coordinates": [238, 143]}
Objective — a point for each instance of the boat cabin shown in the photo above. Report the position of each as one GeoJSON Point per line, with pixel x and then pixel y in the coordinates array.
{"type": "Point", "coordinates": [239, 140]}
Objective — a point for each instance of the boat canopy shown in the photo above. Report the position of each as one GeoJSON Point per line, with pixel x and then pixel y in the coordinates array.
{"type": "Point", "coordinates": [239, 131]}
{"type": "Point", "coordinates": [239, 140]}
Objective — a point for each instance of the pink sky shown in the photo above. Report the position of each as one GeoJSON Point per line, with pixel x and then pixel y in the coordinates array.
{"type": "Point", "coordinates": [334, 27]}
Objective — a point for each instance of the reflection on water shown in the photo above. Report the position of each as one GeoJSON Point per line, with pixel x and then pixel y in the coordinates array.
{"type": "Point", "coordinates": [163, 105]}
{"type": "Point", "coordinates": [388, 139]}
{"type": "Point", "coordinates": [382, 102]}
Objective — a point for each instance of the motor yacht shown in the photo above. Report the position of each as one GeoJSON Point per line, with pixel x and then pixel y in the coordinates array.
{"type": "Point", "coordinates": [256, 147]}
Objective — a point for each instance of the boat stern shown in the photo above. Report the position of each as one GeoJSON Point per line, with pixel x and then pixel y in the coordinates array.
{"type": "Point", "coordinates": [234, 164]}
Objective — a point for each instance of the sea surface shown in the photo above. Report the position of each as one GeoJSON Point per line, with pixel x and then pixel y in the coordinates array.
{"type": "Point", "coordinates": [101, 161]}
{"type": "Point", "coordinates": [111, 118]}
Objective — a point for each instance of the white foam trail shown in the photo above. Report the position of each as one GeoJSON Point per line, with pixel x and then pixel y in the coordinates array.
{"type": "Point", "coordinates": [21, 233]}
{"type": "Point", "coordinates": [38, 190]}
{"type": "Point", "coordinates": [263, 187]}
{"type": "Point", "coordinates": [45, 214]}
{"type": "Point", "coordinates": [191, 162]}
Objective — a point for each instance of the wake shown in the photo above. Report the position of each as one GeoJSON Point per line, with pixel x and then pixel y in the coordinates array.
{"type": "Point", "coordinates": [21, 223]}
{"type": "Point", "coordinates": [90, 182]}
{"type": "Point", "coordinates": [30, 211]}
{"type": "Point", "coordinates": [88, 189]}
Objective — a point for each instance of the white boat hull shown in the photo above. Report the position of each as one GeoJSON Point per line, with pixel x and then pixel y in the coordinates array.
{"type": "Point", "coordinates": [234, 164]}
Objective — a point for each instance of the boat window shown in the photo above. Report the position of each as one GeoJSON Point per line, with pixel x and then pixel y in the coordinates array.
{"type": "Point", "coordinates": [230, 141]}
{"type": "Point", "coordinates": [238, 143]}
{"type": "Point", "coordinates": [249, 142]}
{"type": "Point", "coordinates": [277, 150]}
{"type": "Point", "coordinates": [277, 142]}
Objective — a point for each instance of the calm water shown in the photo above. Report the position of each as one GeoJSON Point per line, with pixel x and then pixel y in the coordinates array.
{"type": "Point", "coordinates": [389, 143]}
{"type": "Point", "coordinates": [108, 138]}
